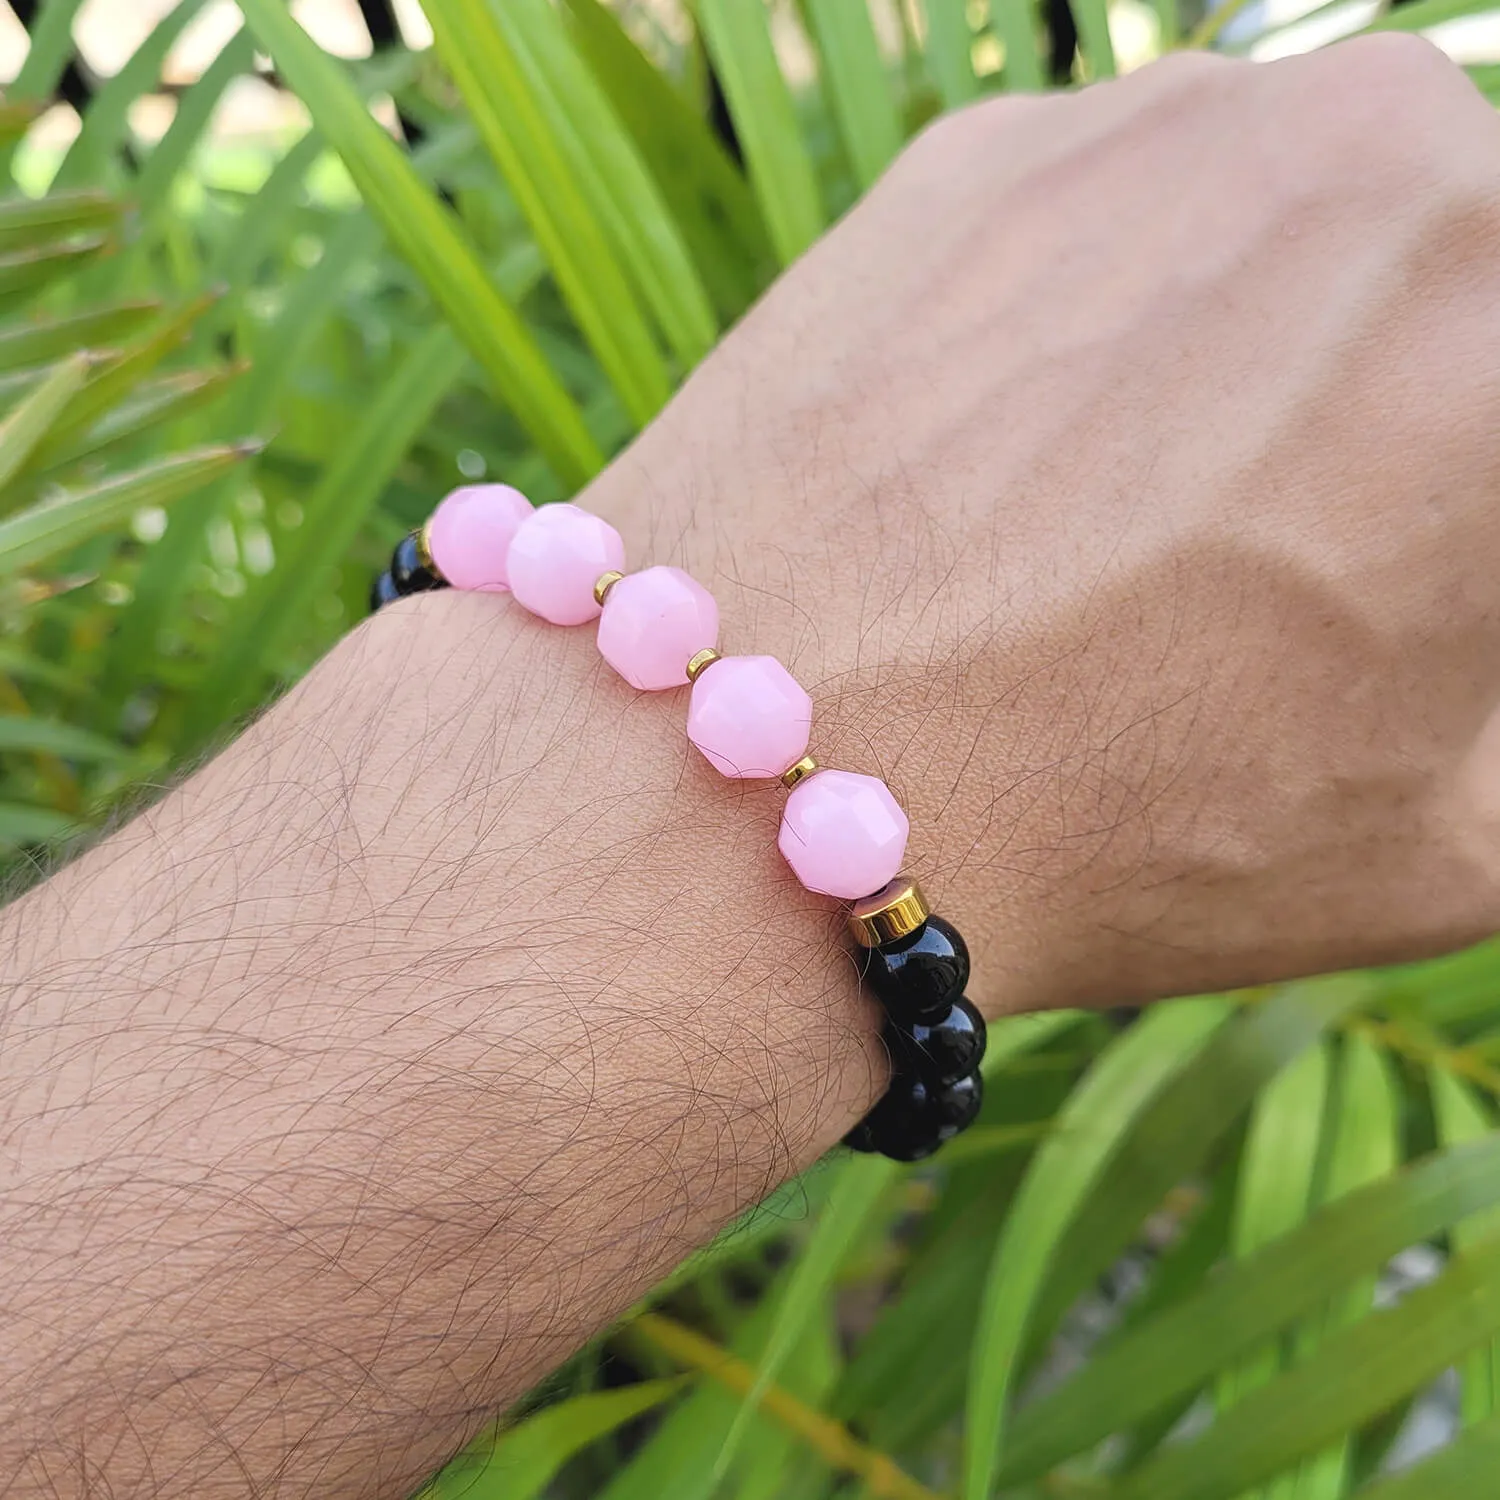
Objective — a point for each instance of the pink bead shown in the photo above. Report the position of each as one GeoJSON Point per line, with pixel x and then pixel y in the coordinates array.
{"type": "Point", "coordinates": [470, 533]}
{"type": "Point", "coordinates": [555, 559]}
{"type": "Point", "coordinates": [654, 623]}
{"type": "Point", "coordinates": [843, 834]}
{"type": "Point", "coordinates": [749, 716]}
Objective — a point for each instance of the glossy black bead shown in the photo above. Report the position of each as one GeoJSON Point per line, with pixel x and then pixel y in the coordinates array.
{"type": "Point", "coordinates": [939, 1051]}
{"type": "Point", "coordinates": [383, 591]}
{"type": "Point", "coordinates": [919, 977]}
{"type": "Point", "coordinates": [914, 1118]}
{"type": "Point", "coordinates": [408, 572]}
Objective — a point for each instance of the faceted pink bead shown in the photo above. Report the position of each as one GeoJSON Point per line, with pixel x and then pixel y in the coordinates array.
{"type": "Point", "coordinates": [555, 559]}
{"type": "Point", "coordinates": [470, 533]}
{"type": "Point", "coordinates": [843, 834]}
{"type": "Point", "coordinates": [654, 623]}
{"type": "Point", "coordinates": [749, 716]}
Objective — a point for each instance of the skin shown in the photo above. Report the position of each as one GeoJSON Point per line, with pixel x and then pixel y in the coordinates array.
{"type": "Point", "coordinates": [1119, 478]}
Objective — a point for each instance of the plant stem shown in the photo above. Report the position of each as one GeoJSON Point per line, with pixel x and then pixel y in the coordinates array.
{"type": "Point", "coordinates": [1206, 32]}
{"type": "Point", "coordinates": [883, 1479]}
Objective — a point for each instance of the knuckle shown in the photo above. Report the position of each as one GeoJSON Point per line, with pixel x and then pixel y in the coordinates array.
{"type": "Point", "coordinates": [1391, 108]}
{"type": "Point", "coordinates": [1397, 89]}
{"type": "Point", "coordinates": [1188, 69]}
{"type": "Point", "coordinates": [963, 134]}
{"type": "Point", "coordinates": [1398, 59]}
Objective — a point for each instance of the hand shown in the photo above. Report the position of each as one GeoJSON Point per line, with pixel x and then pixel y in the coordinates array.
{"type": "Point", "coordinates": [1120, 477]}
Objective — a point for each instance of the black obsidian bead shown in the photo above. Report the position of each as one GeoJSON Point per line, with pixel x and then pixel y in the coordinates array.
{"type": "Point", "coordinates": [383, 591]}
{"type": "Point", "coordinates": [941, 1050]}
{"type": "Point", "coordinates": [409, 573]}
{"type": "Point", "coordinates": [914, 1118]}
{"type": "Point", "coordinates": [917, 978]}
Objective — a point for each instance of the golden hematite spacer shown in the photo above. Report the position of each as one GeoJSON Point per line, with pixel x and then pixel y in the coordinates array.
{"type": "Point", "coordinates": [603, 584]}
{"type": "Point", "coordinates": [894, 911]}
{"type": "Point", "coordinates": [424, 548]}
{"type": "Point", "coordinates": [700, 661]}
{"type": "Point", "coordinates": [799, 772]}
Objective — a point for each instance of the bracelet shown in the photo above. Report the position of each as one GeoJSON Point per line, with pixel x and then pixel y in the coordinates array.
{"type": "Point", "coordinates": [842, 832]}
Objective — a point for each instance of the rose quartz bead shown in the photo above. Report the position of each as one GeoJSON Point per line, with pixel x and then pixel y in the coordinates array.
{"type": "Point", "coordinates": [470, 533]}
{"type": "Point", "coordinates": [843, 834]}
{"type": "Point", "coordinates": [555, 559]}
{"type": "Point", "coordinates": [654, 623]}
{"type": "Point", "coordinates": [749, 716]}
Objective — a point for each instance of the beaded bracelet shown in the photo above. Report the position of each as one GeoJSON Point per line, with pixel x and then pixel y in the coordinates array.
{"type": "Point", "coordinates": [842, 832]}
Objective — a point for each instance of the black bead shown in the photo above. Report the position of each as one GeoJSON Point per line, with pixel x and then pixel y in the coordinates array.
{"type": "Point", "coordinates": [942, 1050]}
{"type": "Point", "coordinates": [383, 591]}
{"type": "Point", "coordinates": [408, 572]}
{"type": "Point", "coordinates": [914, 1118]}
{"type": "Point", "coordinates": [918, 977]}
{"type": "Point", "coordinates": [956, 1104]}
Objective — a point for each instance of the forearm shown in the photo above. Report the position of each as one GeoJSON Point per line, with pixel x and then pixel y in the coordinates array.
{"type": "Point", "coordinates": [359, 1081]}
{"type": "Point", "coordinates": [351, 1087]}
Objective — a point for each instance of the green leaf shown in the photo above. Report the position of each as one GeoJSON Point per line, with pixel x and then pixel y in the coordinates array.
{"type": "Point", "coordinates": [25, 666]}
{"type": "Point", "coordinates": [1181, 1349]}
{"type": "Point", "coordinates": [950, 52]}
{"type": "Point", "coordinates": [22, 732]}
{"type": "Point", "coordinates": [263, 220]}
{"type": "Point", "coordinates": [1467, 1469]}
{"type": "Point", "coordinates": [155, 403]}
{"type": "Point", "coordinates": [500, 87]}
{"type": "Point", "coordinates": [1276, 1182]}
{"type": "Point", "coordinates": [862, 1186]}
{"type": "Point", "coordinates": [120, 375]}
{"type": "Point", "coordinates": [519, 1462]}
{"type": "Point", "coordinates": [106, 122]}
{"type": "Point", "coordinates": [1365, 1147]}
{"type": "Point", "coordinates": [1460, 1117]}
{"type": "Point", "coordinates": [1177, 1132]}
{"type": "Point", "coordinates": [1016, 26]}
{"type": "Point", "coordinates": [195, 111]}
{"type": "Point", "coordinates": [1354, 1376]}
{"type": "Point", "coordinates": [748, 1235]}
{"type": "Point", "coordinates": [33, 419]}
{"type": "Point", "coordinates": [705, 190]}
{"type": "Point", "coordinates": [1094, 42]}
{"type": "Point", "coordinates": [1177, 1275]}
{"type": "Point", "coordinates": [1424, 13]}
{"type": "Point", "coordinates": [1281, 1153]}
{"type": "Point", "coordinates": [281, 349]}
{"type": "Point", "coordinates": [25, 221]}
{"type": "Point", "coordinates": [21, 825]}
{"type": "Point", "coordinates": [54, 526]}
{"type": "Point", "coordinates": [35, 343]}
{"type": "Point", "coordinates": [23, 273]}
{"type": "Point", "coordinates": [425, 235]}
{"type": "Point", "coordinates": [778, 1466]}
{"type": "Point", "coordinates": [1063, 1173]}
{"type": "Point", "coordinates": [738, 36]}
{"type": "Point", "coordinates": [50, 46]}
{"type": "Point", "coordinates": [333, 516]}
{"type": "Point", "coordinates": [1169, 27]}
{"type": "Point", "coordinates": [612, 177]}
{"type": "Point", "coordinates": [906, 1377]}
{"type": "Point", "coordinates": [857, 83]}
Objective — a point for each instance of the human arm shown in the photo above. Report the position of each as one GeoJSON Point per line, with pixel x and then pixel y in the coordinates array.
{"type": "Point", "coordinates": [1144, 549]}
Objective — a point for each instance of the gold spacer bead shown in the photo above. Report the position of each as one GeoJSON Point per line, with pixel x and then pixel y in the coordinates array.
{"type": "Point", "coordinates": [603, 584]}
{"type": "Point", "coordinates": [424, 549]}
{"type": "Point", "coordinates": [700, 661]}
{"type": "Point", "coordinates": [894, 911]}
{"type": "Point", "coordinates": [799, 772]}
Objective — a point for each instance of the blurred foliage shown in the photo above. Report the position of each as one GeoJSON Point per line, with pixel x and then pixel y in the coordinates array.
{"type": "Point", "coordinates": [1167, 1262]}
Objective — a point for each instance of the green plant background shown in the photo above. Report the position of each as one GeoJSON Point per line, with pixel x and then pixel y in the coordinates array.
{"type": "Point", "coordinates": [230, 379]}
